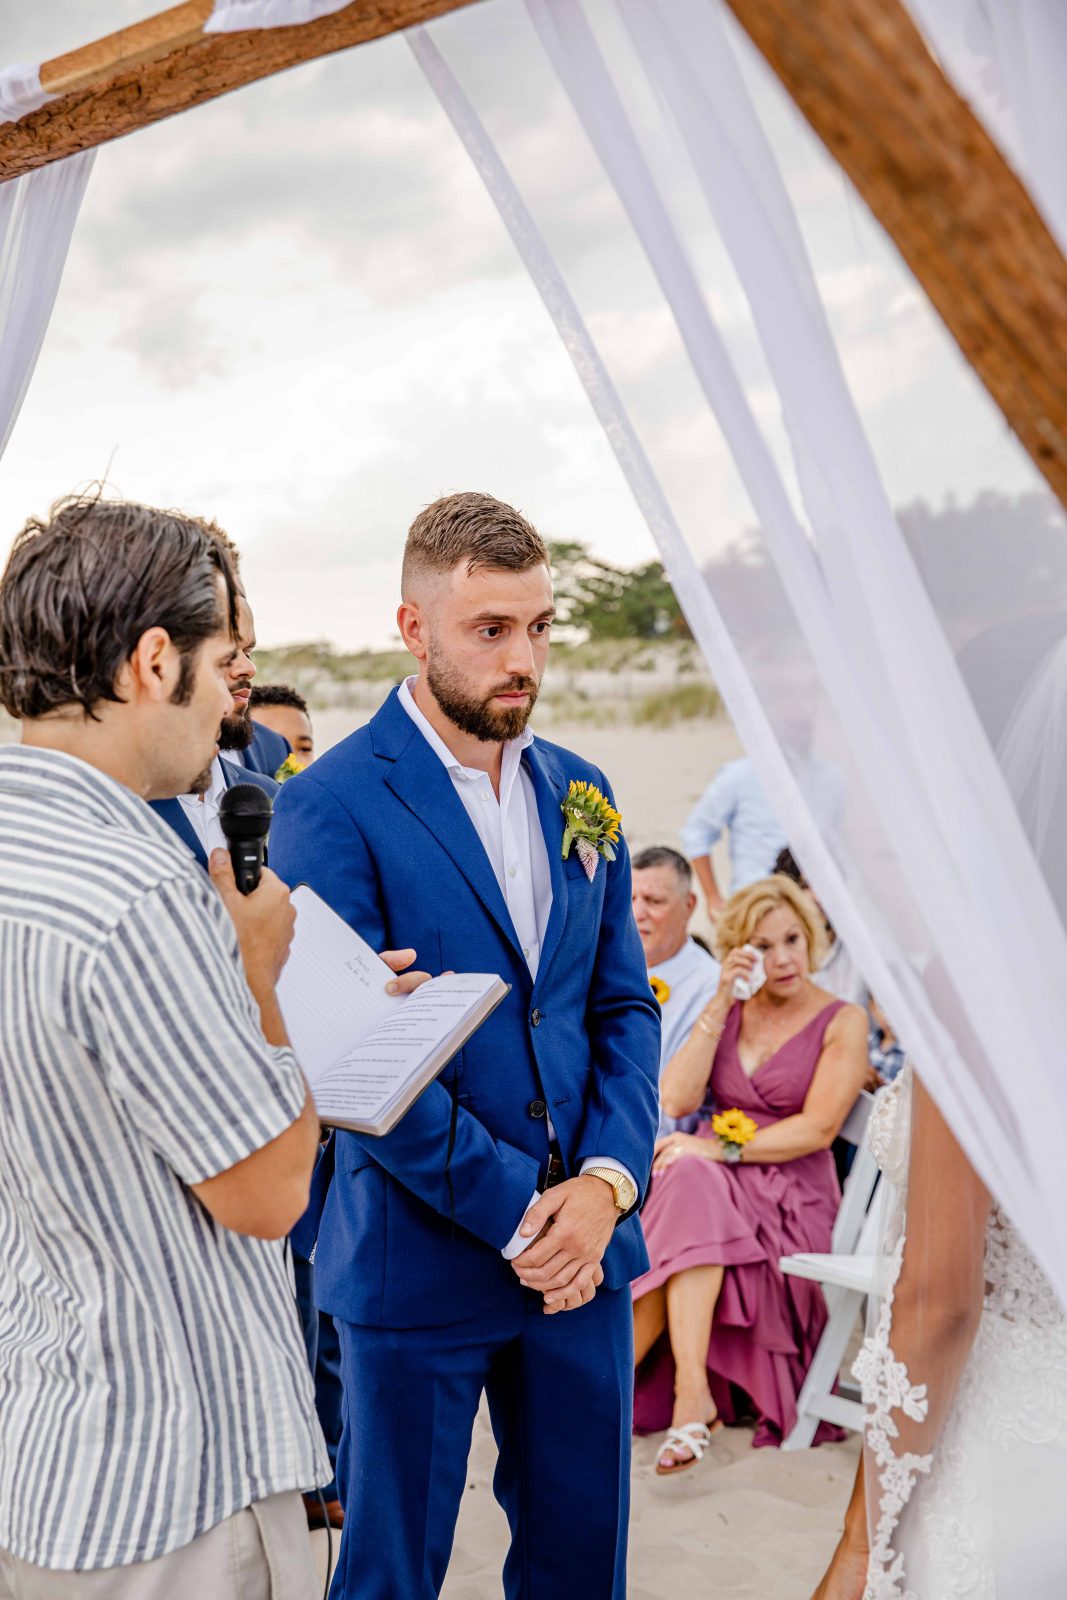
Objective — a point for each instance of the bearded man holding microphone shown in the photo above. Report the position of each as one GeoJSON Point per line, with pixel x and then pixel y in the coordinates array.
{"type": "Point", "coordinates": [157, 1136]}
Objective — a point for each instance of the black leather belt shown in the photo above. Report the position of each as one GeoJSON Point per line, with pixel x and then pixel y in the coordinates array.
{"type": "Point", "coordinates": [555, 1172]}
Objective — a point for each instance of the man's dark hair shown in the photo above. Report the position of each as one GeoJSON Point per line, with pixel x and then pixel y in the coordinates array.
{"type": "Point", "coordinates": [278, 694]}
{"type": "Point", "coordinates": [661, 855]}
{"type": "Point", "coordinates": [785, 863]}
{"type": "Point", "coordinates": [81, 587]}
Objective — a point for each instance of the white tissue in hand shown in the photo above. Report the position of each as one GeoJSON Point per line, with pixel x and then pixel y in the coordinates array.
{"type": "Point", "coordinates": [745, 988]}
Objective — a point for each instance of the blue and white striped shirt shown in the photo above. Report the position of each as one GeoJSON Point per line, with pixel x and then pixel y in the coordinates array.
{"type": "Point", "coordinates": [153, 1379]}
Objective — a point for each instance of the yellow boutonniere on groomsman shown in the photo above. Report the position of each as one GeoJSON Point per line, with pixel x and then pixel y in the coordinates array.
{"type": "Point", "coordinates": [593, 825]}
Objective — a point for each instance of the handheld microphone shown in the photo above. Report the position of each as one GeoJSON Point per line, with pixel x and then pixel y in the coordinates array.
{"type": "Point", "coordinates": [245, 815]}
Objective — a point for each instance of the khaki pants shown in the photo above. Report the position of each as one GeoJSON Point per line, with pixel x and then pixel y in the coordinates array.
{"type": "Point", "coordinates": [261, 1553]}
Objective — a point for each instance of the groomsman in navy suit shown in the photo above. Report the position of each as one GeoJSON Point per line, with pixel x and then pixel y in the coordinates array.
{"type": "Point", "coordinates": [487, 1243]}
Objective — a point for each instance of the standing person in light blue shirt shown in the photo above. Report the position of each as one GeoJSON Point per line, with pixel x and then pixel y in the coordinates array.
{"type": "Point", "coordinates": [683, 976]}
{"type": "Point", "coordinates": [734, 800]}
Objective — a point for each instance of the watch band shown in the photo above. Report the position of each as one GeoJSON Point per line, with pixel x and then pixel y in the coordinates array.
{"type": "Point", "coordinates": [620, 1184]}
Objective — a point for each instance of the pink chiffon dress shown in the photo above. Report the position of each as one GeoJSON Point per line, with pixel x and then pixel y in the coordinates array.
{"type": "Point", "coordinates": [705, 1213]}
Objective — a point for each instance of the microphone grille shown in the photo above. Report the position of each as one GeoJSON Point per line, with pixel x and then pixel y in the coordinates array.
{"type": "Point", "coordinates": [245, 812]}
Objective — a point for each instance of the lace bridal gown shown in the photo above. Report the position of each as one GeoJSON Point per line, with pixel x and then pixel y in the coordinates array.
{"type": "Point", "coordinates": [982, 1514]}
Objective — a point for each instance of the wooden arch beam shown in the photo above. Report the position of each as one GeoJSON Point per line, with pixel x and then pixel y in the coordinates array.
{"type": "Point", "coordinates": [864, 77]}
{"type": "Point", "coordinates": [167, 64]}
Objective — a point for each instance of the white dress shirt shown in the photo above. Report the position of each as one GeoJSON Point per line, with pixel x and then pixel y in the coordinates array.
{"type": "Point", "coordinates": [510, 831]}
{"type": "Point", "coordinates": [203, 811]}
{"type": "Point", "coordinates": [692, 976]}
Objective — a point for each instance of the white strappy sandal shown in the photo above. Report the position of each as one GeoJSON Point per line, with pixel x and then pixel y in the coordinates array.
{"type": "Point", "coordinates": [695, 1437]}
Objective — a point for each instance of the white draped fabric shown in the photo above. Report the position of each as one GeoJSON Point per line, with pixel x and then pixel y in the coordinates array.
{"type": "Point", "coordinates": [870, 685]}
{"type": "Point", "coordinates": [1009, 59]}
{"type": "Point", "coordinates": [237, 16]}
{"type": "Point", "coordinates": [37, 217]}
{"type": "Point", "coordinates": [21, 92]}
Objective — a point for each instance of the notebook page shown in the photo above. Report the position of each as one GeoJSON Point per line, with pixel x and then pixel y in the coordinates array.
{"type": "Point", "coordinates": [332, 988]}
{"type": "Point", "coordinates": [368, 1079]}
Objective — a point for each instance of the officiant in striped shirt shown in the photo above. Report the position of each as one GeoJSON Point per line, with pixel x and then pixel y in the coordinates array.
{"type": "Point", "coordinates": [156, 1134]}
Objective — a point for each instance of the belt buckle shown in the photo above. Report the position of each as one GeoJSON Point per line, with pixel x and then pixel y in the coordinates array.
{"type": "Point", "coordinates": [554, 1172]}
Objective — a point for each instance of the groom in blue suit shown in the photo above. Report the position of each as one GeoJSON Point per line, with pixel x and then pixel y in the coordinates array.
{"type": "Point", "coordinates": [487, 1243]}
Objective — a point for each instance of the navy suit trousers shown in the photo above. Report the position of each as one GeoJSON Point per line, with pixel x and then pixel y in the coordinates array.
{"type": "Point", "coordinates": [560, 1394]}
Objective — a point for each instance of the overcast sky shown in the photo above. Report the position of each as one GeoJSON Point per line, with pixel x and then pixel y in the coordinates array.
{"type": "Point", "coordinates": [295, 309]}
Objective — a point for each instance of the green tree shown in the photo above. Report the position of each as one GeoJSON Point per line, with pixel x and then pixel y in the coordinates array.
{"type": "Point", "coordinates": [607, 602]}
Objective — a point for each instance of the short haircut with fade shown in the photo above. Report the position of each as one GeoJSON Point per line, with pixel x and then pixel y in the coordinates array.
{"type": "Point", "coordinates": [473, 529]}
{"type": "Point", "coordinates": [746, 909]}
{"type": "Point", "coordinates": [82, 587]}
{"type": "Point", "coordinates": [661, 855]}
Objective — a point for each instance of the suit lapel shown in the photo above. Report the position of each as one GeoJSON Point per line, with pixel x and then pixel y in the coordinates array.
{"type": "Point", "coordinates": [419, 778]}
{"type": "Point", "coordinates": [550, 788]}
{"type": "Point", "coordinates": [173, 814]}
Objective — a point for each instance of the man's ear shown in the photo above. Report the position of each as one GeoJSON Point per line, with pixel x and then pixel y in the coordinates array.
{"type": "Point", "coordinates": [690, 903]}
{"type": "Point", "coordinates": [153, 669]}
{"type": "Point", "coordinates": [412, 625]}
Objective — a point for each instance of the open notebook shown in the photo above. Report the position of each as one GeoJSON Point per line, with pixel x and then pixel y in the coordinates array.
{"type": "Point", "coordinates": [366, 1054]}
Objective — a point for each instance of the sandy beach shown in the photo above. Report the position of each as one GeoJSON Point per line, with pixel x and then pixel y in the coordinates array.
{"type": "Point", "coordinates": [750, 1524]}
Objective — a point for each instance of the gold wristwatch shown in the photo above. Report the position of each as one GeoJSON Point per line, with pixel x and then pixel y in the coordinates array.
{"type": "Point", "coordinates": [621, 1186]}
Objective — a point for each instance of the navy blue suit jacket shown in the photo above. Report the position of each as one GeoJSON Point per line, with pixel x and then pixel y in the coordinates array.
{"type": "Point", "coordinates": [173, 812]}
{"type": "Point", "coordinates": [267, 751]}
{"type": "Point", "coordinates": [413, 1223]}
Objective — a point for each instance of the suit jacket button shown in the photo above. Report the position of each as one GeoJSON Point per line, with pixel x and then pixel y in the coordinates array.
{"type": "Point", "coordinates": [536, 1019]}
{"type": "Point", "coordinates": [537, 1108]}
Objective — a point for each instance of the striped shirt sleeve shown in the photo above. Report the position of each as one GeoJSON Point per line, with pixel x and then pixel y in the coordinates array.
{"type": "Point", "coordinates": [181, 1041]}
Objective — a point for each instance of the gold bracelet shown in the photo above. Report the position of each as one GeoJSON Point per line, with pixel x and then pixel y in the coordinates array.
{"type": "Point", "coordinates": [709, 1033]}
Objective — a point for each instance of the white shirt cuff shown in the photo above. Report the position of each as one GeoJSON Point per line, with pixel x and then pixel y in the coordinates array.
{"type": "Point", "coordinates": [517, 1244]}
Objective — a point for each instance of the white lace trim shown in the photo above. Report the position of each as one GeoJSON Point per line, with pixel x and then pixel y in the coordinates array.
{"type": "Point", "coordinates": [1012, 1389]}
{"type": "Point", "coordinates": [887, 1388]}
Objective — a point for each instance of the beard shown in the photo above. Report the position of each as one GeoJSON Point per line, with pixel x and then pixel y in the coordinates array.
{"type": "Point", "coordinates": [201, 783]}
{"type": "Point", "coordinates": [476, 714]}
{"type": "Point", "coordinates": [238, 730]}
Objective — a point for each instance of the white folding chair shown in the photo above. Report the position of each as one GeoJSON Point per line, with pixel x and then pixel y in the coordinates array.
{"type": "Point", "coordinates": [847, 1276]}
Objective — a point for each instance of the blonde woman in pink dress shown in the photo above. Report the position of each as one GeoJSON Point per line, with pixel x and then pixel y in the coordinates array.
{"type": "Point", "coordinates": [718, 1329]}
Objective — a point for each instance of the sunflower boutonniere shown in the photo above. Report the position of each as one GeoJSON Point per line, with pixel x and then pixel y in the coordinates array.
{"type": "Point", "coordinates": [592, 825]}
{"type": "Point", "coordinates": [289, 768]}
{"type": "Point", "coordinates": [660, 988]}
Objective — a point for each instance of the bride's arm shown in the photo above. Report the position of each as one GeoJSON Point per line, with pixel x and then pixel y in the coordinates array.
{"type": "Point", "coordinates": [936, 1309]}
{"type": "Point", "coordinates": [937, 1302]}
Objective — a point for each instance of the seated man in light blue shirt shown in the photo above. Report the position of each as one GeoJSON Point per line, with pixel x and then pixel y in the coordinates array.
{"type": "Point", "coordinates": [734, 800]}
{"type": "Point", "coordinates": [684, 977]}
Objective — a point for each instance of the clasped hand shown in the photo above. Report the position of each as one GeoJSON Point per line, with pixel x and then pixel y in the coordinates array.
{"type": "Point", "coordinates": [571, 1226]}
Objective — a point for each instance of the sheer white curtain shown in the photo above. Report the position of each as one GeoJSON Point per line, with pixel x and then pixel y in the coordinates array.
{"type": "Point", "coordinates": [234, 16]}
{"type": "Point", "coordinates": [37, 217]}
{"type": "Point", "coordinates": [1009, 59]}
{"type": "Point", "coordinates": [871, 683]}
{"type": "Point", "coordinates": [21, 92]}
